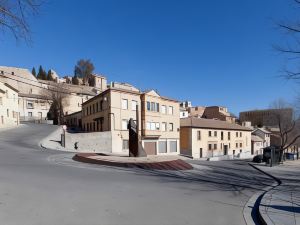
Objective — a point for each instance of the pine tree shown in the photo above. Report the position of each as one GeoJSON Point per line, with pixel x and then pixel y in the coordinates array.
{"type": "Point", "coordinates": [44, 75]}
{"type": "Point", "coordinates": [40, 73]}
{"type": "Point", "coordinates": [49, 77]}
{"type": "Point", "coordinates": [33, 72]}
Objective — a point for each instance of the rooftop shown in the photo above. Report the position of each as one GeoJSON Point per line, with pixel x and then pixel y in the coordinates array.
{"type": "Point", "coordinates": [194, 122]}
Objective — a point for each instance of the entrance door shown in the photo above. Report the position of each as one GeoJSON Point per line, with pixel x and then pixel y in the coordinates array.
{"type": "Point", "coordinates": [225, 149]}
{"type": "Point", "coordinates": [150, 148]}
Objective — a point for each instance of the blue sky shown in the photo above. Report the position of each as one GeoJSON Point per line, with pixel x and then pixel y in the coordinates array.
{"type": "Point", "coordinates": [209, 52]}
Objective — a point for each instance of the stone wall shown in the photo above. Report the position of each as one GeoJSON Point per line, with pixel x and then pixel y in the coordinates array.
{"type": "Point", "coordinates": [99, 142]}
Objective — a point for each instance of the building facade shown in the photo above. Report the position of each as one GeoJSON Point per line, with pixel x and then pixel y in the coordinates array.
{"type": "Point", "coordinates": [257, 145]}
{"type": "Point", "coordinates": [158, 118]}
{"type": "Point", "coordinates": [9, 112]}
{"type": "Point", "coordinates": [264, 135]}
{"type": "Point", "coordinates": [265, 118]}
{"type": "Point", "coordinates": [205, 138]}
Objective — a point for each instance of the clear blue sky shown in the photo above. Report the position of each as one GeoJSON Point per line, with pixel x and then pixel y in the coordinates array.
{"type": "Point", "coordinates": [209, 52]}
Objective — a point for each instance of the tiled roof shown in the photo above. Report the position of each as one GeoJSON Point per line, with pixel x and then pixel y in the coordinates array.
{"type": "Point", "coordinates": [210, 123]}
{"type": "Point", "coordinates": [256, 138]}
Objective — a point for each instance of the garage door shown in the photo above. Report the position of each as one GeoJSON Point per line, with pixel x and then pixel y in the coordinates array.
{"type": "Point", "coordinates": [150, 148]}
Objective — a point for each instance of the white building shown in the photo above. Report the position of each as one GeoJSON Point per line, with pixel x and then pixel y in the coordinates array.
{"type": "Point", "coordinates": [9, 115]}
{"type": "Point", "coordinates": [264, 135]}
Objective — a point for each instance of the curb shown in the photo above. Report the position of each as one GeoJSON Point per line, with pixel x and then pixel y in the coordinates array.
{"type": "Point", "coordinates": [253, 211]}
{"type": "Point", "coordinates": [176, 164]}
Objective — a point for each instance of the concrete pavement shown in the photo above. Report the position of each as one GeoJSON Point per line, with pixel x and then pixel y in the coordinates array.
{"type": "Point", "coordinates": [281, 204]}
{"type": "Point", "coordinates": [41, 186]}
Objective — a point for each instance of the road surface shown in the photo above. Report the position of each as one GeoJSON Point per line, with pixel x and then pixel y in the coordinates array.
{"type": "Point", "coordinates": [39, 186]}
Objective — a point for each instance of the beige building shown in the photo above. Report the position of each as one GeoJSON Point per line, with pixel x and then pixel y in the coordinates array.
{"type": "Point", "coordinates": [74, 120]}
{"type": "Point", "coordinates": [218, 112]}
{"type": "Point", "coordinates": [264, 134]}
{"type": "Point", "coordinates": [257, 145]}
{"type": "Point", "coordinates": [205, 138]}
{"type": "Point", "coordinates": [158, 118]}
{"type": "Point", "coordinates": [9, 113]}
{"type": "Point", "coordinates": [35, 96]}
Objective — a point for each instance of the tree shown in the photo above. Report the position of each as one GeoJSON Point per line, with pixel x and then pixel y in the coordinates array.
{"type": "Point", "coordinates": [14, 16]}
{"type": "Point", "coordinates": [57, 95]}
{"type": "Point", "coordinates": [289, 127]}
{"type": "Point", "coordinates": [42, 75]}
{"type": "Point", "coordinates": [75, 80]}
{"type": "Point", "coordinates": [33, 72]}
{"type": "Point", "coordinates": [84, 69]}
{"type": "Point", "coordinates": [49, 75]}
{"type": "Point", "coordinates": [291, 48]}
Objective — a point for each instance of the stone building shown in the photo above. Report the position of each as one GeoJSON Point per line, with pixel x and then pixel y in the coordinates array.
{"type": "Point", "coordinates": [206, 138]}
{"type": "Point", "coordinates": [158, 118]}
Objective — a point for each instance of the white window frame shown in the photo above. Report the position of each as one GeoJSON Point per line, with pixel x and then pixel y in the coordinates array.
{"type": "Point", "coordinates": [134, 103]}
{"type": "Point", "coordinates": [124, 103]}
{"type": "Point", "coordinates": [163, 109]}
{"type": "Point", "coordinates": [171, 110]}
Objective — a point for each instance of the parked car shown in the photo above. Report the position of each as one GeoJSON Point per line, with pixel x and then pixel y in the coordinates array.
{"type": "Point", "coordinates": [258, 159]}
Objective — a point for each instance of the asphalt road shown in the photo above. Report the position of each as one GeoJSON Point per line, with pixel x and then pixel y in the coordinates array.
{"type": "Point", "coordinates": [39, 186]}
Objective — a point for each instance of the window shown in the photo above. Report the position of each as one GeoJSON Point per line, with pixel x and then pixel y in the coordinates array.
{"type": "Point", "coordinates": [229, 136]}
{"type": "Point", "coordinates": [237, 134]}
{"type": "Point", "coordinates": [209, 147]}
{"type": "Point", "coordinates": [93, 108]}
{"type": "Point", "coordinates": [148, 106]}
{"type": "Point", "coordinates": [222, 135]}
{"type": "Point", "coordinates": [148, 126]}
{"type": "Point", "coordinates": [124, 124]}
{"type": "Point", "coordinates": [215, 146]}
{"type": "Point", "coordinates": [171, 110]}
{"type": "Point", "coordinates": [162, 146]}
{"type": "Point", "coordinates": [199, 135]}
{"type": "Point", "coordinates": [153, 126]}
{"type": "Point", "coordinates": [101, 105]}
{"type": "Point", "coordinates": [216, 133]}
{"type": "Point", "coordinates": [30, 105]}
{"type": "Point", "coordinates": [7, 112]}
{"type": "Point", "coordinates": [164, 126]}
{"type": "Point", "coordinates": [153, 106]}
{"type": "Point", "coordinates": [125, 144]}
{"type": "Point", "coordinates": [29, 114]}
{"type": "Point", "coordinates": [171, 126]}
{"type": "Point", "coordinates": [173, 146]}
{"type": "Point", "coordinates": [241, 145]}
{"type": "Point", "coordinates": [233, 152]}
{"type": "Point", "coordinates": [209, 133]}
{"type": "Point", "coordinates": [133, 105]}
{"type": "Point", "coordinates": [157, 107]}
{"type": "Point", "coordinates": [236, 145]}
{"type": "Point", "coordinates": [163, 109]}
{"type": "Point", "coordinates": [240, 134]}
{"type": "Point", "coordinates": [124, 104]}
{"type": "Point", "coordinates": [157, 126]}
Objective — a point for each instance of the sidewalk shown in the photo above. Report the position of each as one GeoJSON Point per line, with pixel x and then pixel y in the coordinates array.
{"type": "Point", "coordinates": [281, 205]}
{"type": "Point", "coordinates": [53, 141]}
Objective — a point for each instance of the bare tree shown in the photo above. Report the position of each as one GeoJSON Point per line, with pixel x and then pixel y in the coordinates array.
{"type": "Point", "coordinates": [288, 127]}
{"type": "Point", "coordinates": [14, 16]}
{"type": "Point", "coordinates": [57, 97]}
{"type": "Point", "coordinates": [84, 69]}
{"type": "Point", "coordinates": [291, 48]}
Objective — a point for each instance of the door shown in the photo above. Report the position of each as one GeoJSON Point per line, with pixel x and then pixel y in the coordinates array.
{"type": "Point", "coordinates": [225, 149]}
{"type": "Point", "coordinates": [200, 153]}
{"type": "Point", "coordinates": [150, 148]}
